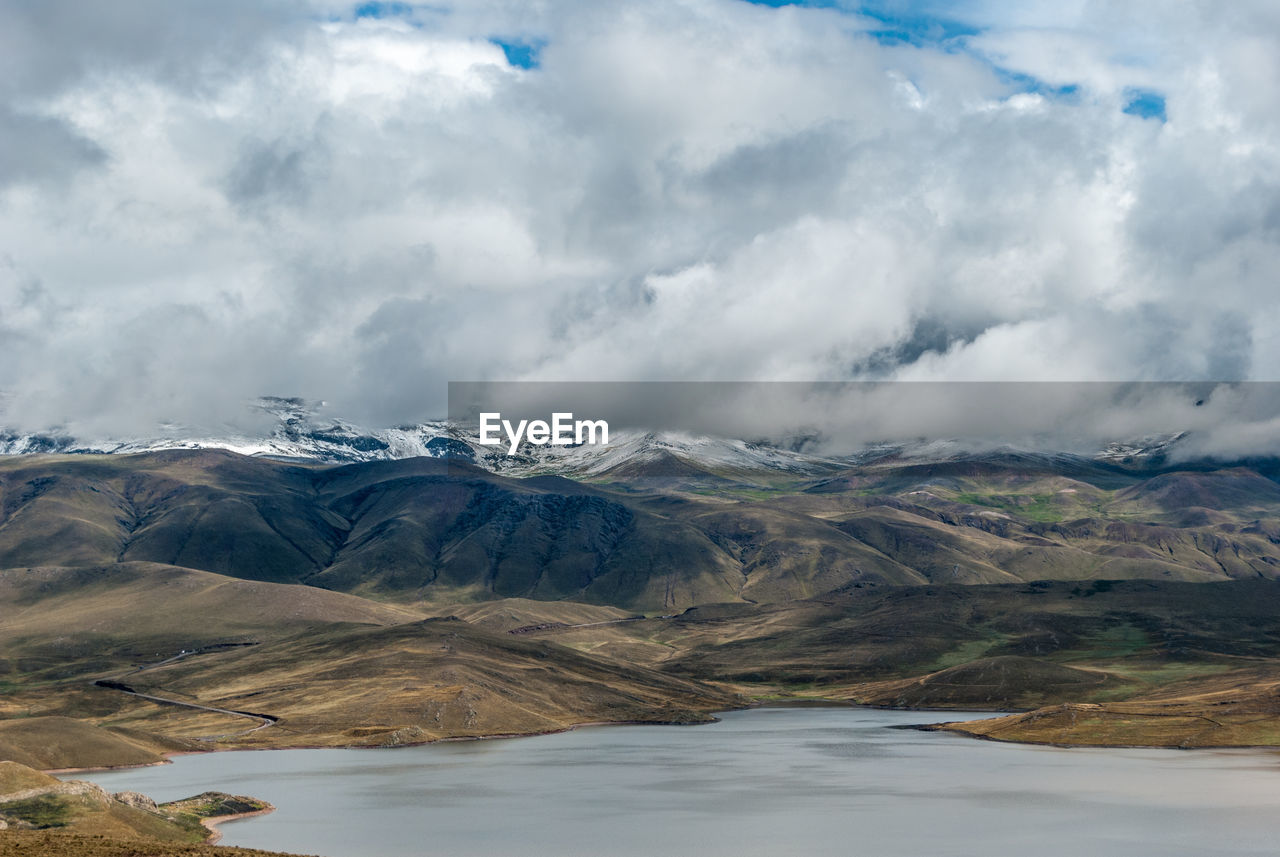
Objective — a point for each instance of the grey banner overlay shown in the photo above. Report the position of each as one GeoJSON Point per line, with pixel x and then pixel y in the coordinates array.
{"type": "Point", "coordinates": [1222, 420]}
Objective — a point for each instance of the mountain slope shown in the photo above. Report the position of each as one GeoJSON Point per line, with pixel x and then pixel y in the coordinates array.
{"type": "Point", "coordinates": [426, 530]}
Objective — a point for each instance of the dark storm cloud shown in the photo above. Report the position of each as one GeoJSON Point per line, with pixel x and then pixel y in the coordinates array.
{"type": "Point", "coordinates": [222, 199]}
{"type": "Point", "coordinates": [39, 148]}
{"type": "Point", "coordinates": [269, 173]}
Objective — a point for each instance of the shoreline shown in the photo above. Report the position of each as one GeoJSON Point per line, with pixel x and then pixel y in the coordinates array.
{"type": "Point", "coordinates": [941, 727]}
{"type": "Point", "coordinates": [801, 702]}
{"type": "Point", "coordinates": [96, 768]}
{"type": "Point", "coordinates": [211, 824]}
{"type": "Point", "coordinates": [167, 760]}
{"type": "Point", "coordinates": [169, 757]}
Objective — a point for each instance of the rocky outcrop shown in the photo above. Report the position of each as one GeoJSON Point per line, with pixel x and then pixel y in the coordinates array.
{"type": "Point", "coordinates": [136, 800]}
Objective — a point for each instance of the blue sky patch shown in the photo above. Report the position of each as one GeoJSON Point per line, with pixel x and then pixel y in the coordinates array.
{"type": "Point", "coordinates": [521, 54]}
{"type": "Point", "coordinates": [918, 23]}
{"type": "Point", "coordinates": [914, 28]}
{"type": "Point", "coordinates": [1145, 103]}
{"type": "Point", "coordinates": [811, 4]}
{"type": "Point", "coordinates": [899, 25]}
{"type": "Point", "coordinates": [1034, 85]}
{"type": "Point", "coordinates": [383, 10]}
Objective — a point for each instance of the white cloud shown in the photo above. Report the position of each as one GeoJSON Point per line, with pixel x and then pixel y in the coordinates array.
{"type": "Point", "coordinates": [215, 201]}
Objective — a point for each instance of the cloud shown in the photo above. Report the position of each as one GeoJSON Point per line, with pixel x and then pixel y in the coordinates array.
{"type": "Point", "coordinates": [220, 200]}
{"type": "Point", "coordinates": [41, 149]}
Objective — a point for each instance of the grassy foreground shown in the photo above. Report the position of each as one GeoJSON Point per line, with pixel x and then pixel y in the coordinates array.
{"type": "Point", "coordinates": [44, 843]}
{"type": "Point", "coordinates": [41, 814]}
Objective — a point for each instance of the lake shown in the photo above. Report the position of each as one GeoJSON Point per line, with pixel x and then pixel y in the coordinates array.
{"type": "Point", "coordinates": [769, 781]}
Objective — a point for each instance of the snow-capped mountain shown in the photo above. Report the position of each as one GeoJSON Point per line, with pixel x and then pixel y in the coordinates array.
{"type": "Point", "coordinates": [301, 432]}
{"type": "Point", "coordinates": [1143, 448]}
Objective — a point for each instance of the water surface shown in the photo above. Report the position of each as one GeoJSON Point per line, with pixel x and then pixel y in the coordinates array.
{"type": "Point", "coordinates": [771, 781]}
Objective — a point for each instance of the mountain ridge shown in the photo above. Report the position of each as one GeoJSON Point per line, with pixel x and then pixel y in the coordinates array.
{"type": "Point", "coordinates": [432, 530]}
{"type": "Point", "coordinates": [301, 433]}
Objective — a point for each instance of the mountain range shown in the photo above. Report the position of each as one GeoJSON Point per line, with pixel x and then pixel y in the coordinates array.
{"type": "Point", "coordinates": [297, 430]}
{"type": "Point", "coordinates": [651, 532]}
{"type": "Point", "coordinates": [345, 586]}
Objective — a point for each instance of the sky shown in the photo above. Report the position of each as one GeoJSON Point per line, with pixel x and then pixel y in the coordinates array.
{"type": "Point", "coordinates": [208, 201]}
